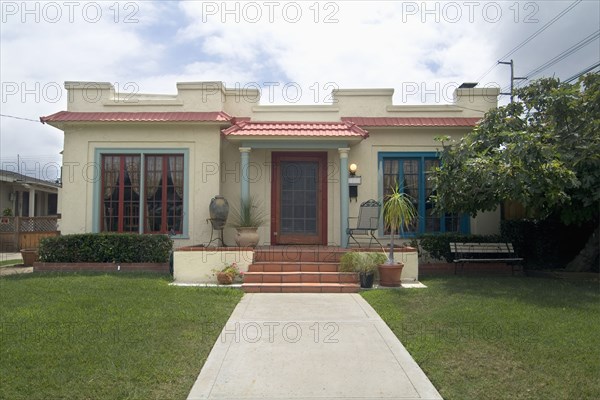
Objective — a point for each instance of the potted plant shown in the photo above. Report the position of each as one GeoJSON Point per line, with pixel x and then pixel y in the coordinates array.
{"type": "Point", "coordinates": [246, 221]}
{"type": "Point", "coordinates": [30, 256]}
{"type": "Point", "coordinates": [365, 264]}
{"type": "Point", "coordinates": [7, 212]}
{"type": "Point", "coordinates": [228, 274]}
{"type": "Point", "coordinates": [399, 212]}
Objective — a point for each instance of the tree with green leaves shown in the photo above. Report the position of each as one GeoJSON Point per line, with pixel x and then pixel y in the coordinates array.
{"type": "Point", "coordinates": [543, 151]}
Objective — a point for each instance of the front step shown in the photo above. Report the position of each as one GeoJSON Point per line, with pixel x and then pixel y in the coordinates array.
{"type": "Point", "coordinates": [300, 287]}
{"type": "Point", "coordinates": [298, 270]}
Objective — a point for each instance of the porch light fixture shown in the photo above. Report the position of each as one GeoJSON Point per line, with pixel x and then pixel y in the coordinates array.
{"type": "Point", "coordinates": [353, 168]}
{"type": "Point", "coordinates": [353, 182]}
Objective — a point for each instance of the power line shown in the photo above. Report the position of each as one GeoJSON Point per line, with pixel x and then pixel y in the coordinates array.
{"type": "Point", "coordinates": [564, 54]}
{"type": "Point", "coordinates": [535, 34]}
{"type": "Point", "coordinates": [585, 71]}
{"type": "Point", "coordinates": [579, 45]}
{"type": "Point", "coordinates": [21, 118]}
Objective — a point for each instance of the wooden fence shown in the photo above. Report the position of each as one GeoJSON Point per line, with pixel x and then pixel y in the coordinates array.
{"type": "Point", "coordinates": [26, 232]}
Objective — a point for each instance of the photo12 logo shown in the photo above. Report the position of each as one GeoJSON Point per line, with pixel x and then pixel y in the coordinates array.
{"type": "Point", "coordinates": [469, 11]}
{"type": "Point", "coordinates": [52, 92]}
{"type": "Point", "coordinates": [253, 12]}
{"type": "Point", "coordinates": [53, 12]}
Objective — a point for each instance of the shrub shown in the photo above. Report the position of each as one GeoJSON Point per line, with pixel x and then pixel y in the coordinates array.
{"type": "Point", "coordinates": [438, 245]}
{"type": "Point", "coordinates": [366, 262]}
{"type": "Point", "coordinates": [546, 244]}
{"type": "Point", "coordinates": [106, 247]}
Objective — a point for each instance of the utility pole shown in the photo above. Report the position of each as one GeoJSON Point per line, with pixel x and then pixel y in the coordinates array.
{"type": "Point", "coordinates": [513, 78]}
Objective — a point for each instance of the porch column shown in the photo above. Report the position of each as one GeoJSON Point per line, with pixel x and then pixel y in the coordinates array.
{"type": "Point", "coordinates": [32, 202]}
{"type": "Point", "coordinates": [244, 174]}
{"type": "Point", "coordinates": [344, 196]}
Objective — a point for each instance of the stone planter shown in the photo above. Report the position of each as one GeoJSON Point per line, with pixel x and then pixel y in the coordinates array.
{"type": "Point", "coordinates": [29, 256]}
{"type": "Point", "coordinates": [219, 211]}
{"type": "Point", "coordinates": [390, 274]}
{"type": "Point", "coordinates": [247, 237]}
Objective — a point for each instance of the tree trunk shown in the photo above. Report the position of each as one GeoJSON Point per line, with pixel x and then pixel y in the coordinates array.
{"type": "Point", "coordinates": [589, 257]}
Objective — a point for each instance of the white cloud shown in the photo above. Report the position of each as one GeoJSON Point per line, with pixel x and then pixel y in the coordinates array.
{"type": "Point", "coordinates": [372, 44]}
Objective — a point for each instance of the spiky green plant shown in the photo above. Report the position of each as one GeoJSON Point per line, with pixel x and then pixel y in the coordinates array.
{"type": "Point", "coordinates": [398, 212]}
{"type": "Point", "coordinates": [251, 214]}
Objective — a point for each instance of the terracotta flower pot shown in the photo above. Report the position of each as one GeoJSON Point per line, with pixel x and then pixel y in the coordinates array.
{"type": "Point", "coordinates": [224, 279]}
{"type": "Point", "coordinates": [29, 256]}
{"type": "Point", "coordinates": [390, 274]}
{"type": "Point", "coordinates": [247, 237]}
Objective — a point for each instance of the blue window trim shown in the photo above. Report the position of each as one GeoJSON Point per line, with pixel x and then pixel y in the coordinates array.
{"type": "Point", "coordinates": [98, 152]}
{"type": "Point", "coordinates": [464, 222]}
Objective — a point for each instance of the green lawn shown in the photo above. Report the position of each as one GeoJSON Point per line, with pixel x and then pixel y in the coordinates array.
{"type": "Point", "coordinates": [6, 263]}
{"type": "Point", "coordinates": [105, 336]}
{"type": "Point", "coordinates": [500, 337]}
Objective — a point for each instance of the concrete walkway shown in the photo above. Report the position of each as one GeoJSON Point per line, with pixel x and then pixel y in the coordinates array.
{"type": "Point", "coordinates": [4, 271]}
{"type": "Point", "coordinates": [309, 346]}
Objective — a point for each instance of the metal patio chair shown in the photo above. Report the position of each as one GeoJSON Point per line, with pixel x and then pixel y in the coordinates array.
{"type": "Point", "coordinates": [367, 222]}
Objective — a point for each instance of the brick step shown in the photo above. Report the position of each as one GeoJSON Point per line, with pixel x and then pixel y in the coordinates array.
{"type": "Point", "coordinates": [299, 254]}
{"type": "Point", "coordinates": [279, 266]}
{"type": "Point", "coordinates": [301, 287]}
{"type": "Point", "coordinates": [300, 277]}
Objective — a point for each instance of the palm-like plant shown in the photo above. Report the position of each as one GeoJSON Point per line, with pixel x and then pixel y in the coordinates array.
{"type": "Point", "coordinates": [251, 214]}
{"type": "Point", "coordinates": [398, 212]}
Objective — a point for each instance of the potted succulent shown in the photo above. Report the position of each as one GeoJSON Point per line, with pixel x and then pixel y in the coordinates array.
{"type": "Point", "coordinates": [228, 274]}
{"type": "Point", "coordinates": [363, 263]}
{"type": "Point", "coordinates": [399, 212]}
{"type": "Point", "coordinates": [246, 221]}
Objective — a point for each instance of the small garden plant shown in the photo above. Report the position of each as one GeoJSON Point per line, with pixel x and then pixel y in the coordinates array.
{"type": "Point", "coordinates": [228, 274]}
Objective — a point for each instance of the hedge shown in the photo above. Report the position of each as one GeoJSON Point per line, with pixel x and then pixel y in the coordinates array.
{"type": "Point", "coordinates": [106, 247]}
{"type": "Point", "coordinates": [542, 244]}
{"type": "Point", "coordinates": [438, 245]}
{"type": "Point", "coordinates": [546, 244]}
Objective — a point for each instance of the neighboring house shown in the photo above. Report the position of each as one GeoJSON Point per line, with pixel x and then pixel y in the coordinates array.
{"type": "Point", "coordinates": [152, 163]}
{"type": "Point", "coordinates": [31, 205]}
{"type": "Point", "coordinates": [26, 196]}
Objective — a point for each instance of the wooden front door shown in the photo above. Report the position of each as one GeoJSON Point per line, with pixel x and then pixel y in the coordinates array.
{"type": "Point", "coordinates": [299, 198]}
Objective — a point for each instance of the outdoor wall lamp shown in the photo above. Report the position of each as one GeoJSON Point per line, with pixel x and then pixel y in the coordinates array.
{"type": "Point", "coordinates": [353, 182]}
{"type": "Point", "coordinates": [353, 168]}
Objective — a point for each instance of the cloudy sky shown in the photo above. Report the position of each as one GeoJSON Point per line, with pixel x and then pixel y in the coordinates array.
{"type": "Point", "coordinates": [421, 49]}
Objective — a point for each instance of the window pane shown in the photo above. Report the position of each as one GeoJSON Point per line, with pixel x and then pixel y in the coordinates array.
{"type": "Point", "coordinates": [412, 175]}
{"type": "Point", "coordinates": [164, 188]}
{"type": "Point", "coordinates": [432, 220]}
{"type": "Point", "coordinates": [120, 193]}
{"type": "Point", "coordinates": [411, 170]}
{"type": "Point", "coordinates": [110, 193]}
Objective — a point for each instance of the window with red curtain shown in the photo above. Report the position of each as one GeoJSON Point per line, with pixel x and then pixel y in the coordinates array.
{"type": "Point", "coordinates": [158, 191]}
{"type": "Point", "coordinates": [164, 193]}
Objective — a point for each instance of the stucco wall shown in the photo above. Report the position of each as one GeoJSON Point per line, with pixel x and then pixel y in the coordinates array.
{"type": "Point", "coordinates": [81, 171]}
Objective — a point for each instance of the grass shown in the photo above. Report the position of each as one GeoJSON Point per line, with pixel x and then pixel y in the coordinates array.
{"type": "Point", "coordinates": [501, 337]}
{"type": "Point", "coordinates": [128, 336]}
{"type": "Point", "coordinates": [7, 263]}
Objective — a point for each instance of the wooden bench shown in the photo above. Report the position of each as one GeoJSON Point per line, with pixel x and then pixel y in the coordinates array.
{"type": "Point", "coordinates": [484, 253]}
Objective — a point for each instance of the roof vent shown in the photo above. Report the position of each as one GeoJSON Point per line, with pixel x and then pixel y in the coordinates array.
{"type": "Point", "coordinates": [468, 85]}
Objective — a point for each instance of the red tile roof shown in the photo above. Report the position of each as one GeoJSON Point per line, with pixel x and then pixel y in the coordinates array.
{"type": "Point", "coordinates": [412, 121]}
{"type": "Point", "coordinates": [286, 128]}
{"type": "Point", "coordinates": [71, 116]}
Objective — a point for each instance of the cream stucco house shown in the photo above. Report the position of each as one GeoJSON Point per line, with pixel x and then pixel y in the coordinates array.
{"type": "Point", "coordinates": [152, 163]}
